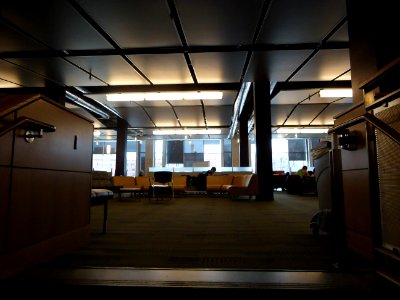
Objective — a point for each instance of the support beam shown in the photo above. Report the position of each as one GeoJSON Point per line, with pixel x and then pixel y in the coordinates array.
{"type": "Point", "coordinates": [263, 136]}
{"type": "Point", "coordinates": [122, 137]}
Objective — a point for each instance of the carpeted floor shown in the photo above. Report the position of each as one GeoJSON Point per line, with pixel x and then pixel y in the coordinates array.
{"type": "Point", "coordinates": [207, 232]}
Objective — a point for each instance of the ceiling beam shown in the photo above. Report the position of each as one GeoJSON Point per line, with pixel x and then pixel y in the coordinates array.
{"type": "Point", "coordinates": [232, 86]}
{"type": "Point", "coordinates": [172, 50]}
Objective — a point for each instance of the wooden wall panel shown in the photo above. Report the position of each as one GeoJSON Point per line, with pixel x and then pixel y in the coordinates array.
{"type": "Point", "coordinates": [6, 144]}
{"type": "Point", "coordinates": [45, 185]}
{"type": "Point", "coordinates": [4, 204]}
{"type": "Point", "coordinates": [55, 150]}
{"type": "Point", "coordinates": [357, 209]}
{"type": "Point", "coordinates": [45, 203]}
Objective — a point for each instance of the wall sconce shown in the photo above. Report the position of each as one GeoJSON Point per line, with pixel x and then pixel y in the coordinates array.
{"type": "Point", "coordinates": [348, 140]}
{"type": "Point", "coordinates": [30, 135]}
{"type": "Point", "coordinates": [32, 128]}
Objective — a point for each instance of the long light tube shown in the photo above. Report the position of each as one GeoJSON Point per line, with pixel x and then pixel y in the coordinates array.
{"type": "Point", "coordinates": [186, 131]}
{"type": "Point", "coordinates": [302, 130]}
{"type": "Point", "coordinates": [330, 93]}
{"type": "Point", "coordinates": [206, 95]}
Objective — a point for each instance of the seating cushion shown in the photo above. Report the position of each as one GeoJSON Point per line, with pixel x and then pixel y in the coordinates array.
{"type": "Point", "coordinates": [143, 182]}
{"type": "Point", "coordinates": [124, 181]}
{"type": "Point", "coordinates": [179, 183]}
{"type": "Point", "coordinates": [216, 182]}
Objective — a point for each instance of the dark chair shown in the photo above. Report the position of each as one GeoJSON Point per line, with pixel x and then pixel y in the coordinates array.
{"type": "Point", "coordinates": [293, 184]}
{"type": "Point", "coordinates": [201, 182]}
{"type": "Point", "coordinates": [162, 186]}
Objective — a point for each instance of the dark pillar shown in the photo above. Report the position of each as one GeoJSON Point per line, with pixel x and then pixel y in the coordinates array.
{"type": "Point", "coordinates": [122, 135]}
{"type": "Point", "coordinates": [262, 133]}
{"type": "Point", "coordinates": [244, 142]}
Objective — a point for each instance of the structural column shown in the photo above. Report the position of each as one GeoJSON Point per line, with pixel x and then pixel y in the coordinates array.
{"type": "Point", "coordinates": [262, 134]}
{"type": "Point", "coordinates": [235, 151]}
{"type": "Point", "coordinates": [149, 155]}
{"type": "Point", "coordinates": [122, 137]}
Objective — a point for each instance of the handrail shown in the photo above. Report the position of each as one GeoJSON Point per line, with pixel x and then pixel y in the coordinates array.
{"type": "Point", "coordinates": [391, 70]}
{"type": "Point", "coordinates": [28, 123]}
{"type": "Point", "coordinates": [382, 73]}
{"type": "Point", "coordinates": [377, 123]}
{"type": "Point", "coordinates": [384, 100]}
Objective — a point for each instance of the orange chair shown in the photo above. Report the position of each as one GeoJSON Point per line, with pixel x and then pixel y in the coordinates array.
{"type": "Point", "coordinates": [243, 185]}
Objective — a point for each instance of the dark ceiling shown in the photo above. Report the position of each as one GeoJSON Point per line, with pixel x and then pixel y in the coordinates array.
{"type": "Point", "coordinates": [92, 47]}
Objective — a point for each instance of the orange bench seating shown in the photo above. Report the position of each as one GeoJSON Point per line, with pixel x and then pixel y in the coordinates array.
{"type": "Point", "coordinates": [179, 183]}
{"type": "Point", "coordinates": [215, 182]}
{"type": "Point", "coordinates": [233, 185]}
{"type": "Point", "coordinates": [142, 182]}
{"type": "Point", "coordinates": [242, 185]}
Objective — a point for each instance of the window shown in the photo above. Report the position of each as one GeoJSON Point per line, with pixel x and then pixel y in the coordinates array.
{"type": "Point", "coordinates": [142, 157]}
{"type": "Point", "coordinates": [212, 152]}
{"type": "Point", "coordinates": [228, 153]}
{"type": "Point", "coordinates": [104, 156]}
{"type": "Point", "coordinates": [185, 153]}
{"type": "Point", "coordinates": [174, 152]}
{"type": "Point", "coordinates": [158, 153]}
{"type": "Point", "coordinates": [193, 152]}
{"type": "Point", "coordinates": [131, 157]}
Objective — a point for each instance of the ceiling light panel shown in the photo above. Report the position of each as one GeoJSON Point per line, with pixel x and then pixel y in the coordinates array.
{"type": "Point", "coordinates": [331, 93]}
{"type": "Point", "coordinates": [171, 96]}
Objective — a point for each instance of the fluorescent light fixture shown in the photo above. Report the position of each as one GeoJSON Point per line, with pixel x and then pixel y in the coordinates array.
{"type": "Point", "coordinates": [302, 130]}
{"type": "Point", "coordinates": [331, 93]}
{"type": "Point", "coordinates": [186, 131]}
{"type": "Point", "coordinates": [208, 95]}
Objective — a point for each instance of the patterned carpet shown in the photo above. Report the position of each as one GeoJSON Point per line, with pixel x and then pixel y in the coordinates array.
{"type": "Point", "coordinates": [207, 232]}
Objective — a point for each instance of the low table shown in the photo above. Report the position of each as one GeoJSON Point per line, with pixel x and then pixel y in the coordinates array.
{"type": "Point", "coordinates": [132, 191]}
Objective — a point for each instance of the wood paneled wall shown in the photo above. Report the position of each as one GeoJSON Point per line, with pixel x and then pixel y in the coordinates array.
{"type": "Point", "coordinates": [45, 186]}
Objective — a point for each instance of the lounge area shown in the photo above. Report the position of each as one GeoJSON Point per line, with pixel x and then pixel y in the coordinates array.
{"type": "Point", "coordinates": [138, 187]}
{"type": "Point", "coordinates": [233, 101]}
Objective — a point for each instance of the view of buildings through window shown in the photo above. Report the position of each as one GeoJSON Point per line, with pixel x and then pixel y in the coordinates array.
{"type": "Point", "coordinates": [288, 154]}
{"type": "Point", "coordinates": [189, 153]}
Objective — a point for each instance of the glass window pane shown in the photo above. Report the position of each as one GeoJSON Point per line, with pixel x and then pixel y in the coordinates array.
{"type": "Point", "coordinates": [212, 152]}
{"type": "Point", "coordinates": [227, 153]}
{"type": "Point", "coordinates": [158, 153]}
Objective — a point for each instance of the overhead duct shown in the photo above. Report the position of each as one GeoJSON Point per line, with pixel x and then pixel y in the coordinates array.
{"type": "Point", "coordinates": [86, 105]}
{"type": "Point", "coordinates": [238, 107]}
